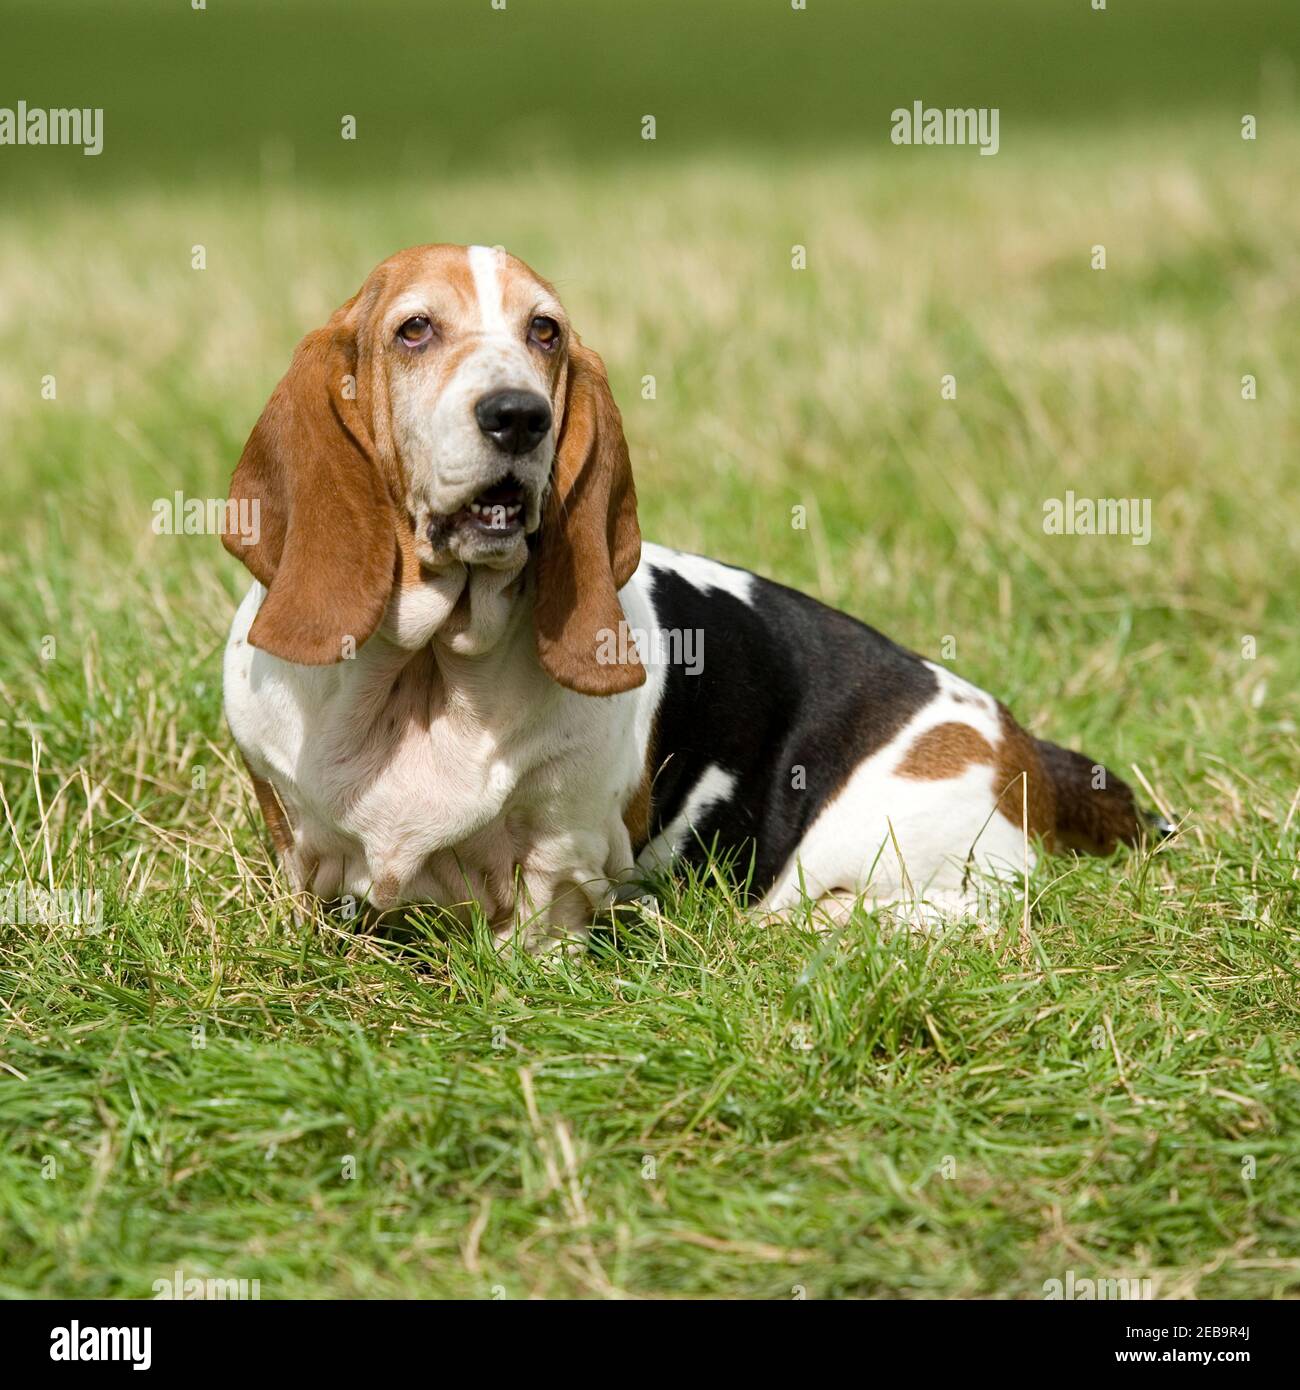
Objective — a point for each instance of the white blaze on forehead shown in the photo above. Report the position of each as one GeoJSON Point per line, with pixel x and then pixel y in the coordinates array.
{"type": "Point", "coordinates": [485, 266]}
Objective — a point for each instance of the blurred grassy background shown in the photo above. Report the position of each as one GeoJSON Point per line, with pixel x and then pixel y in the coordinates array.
{"type": "Point", "coordinates": [245, 87]}
{"type": "Point", "coordinates": [775, 388]}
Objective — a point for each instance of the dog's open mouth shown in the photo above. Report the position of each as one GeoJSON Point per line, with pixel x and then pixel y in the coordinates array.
{"type": "Point", "coordinates": [497, 511]}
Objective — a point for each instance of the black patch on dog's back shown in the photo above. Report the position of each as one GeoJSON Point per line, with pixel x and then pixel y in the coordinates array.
{"type": "Point", "coordinates": [786, 684]}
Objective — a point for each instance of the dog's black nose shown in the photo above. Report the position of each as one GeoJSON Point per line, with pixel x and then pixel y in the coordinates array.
{"type": "Point", "coordinates": [514, 420]}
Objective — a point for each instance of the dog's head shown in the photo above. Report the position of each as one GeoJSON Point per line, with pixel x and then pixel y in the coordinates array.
{"type": "Point", "coordinates": [446, 415]}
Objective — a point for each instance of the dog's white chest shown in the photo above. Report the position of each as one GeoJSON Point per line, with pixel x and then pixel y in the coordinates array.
{"type": "Point", "coordinates": [400, 790]}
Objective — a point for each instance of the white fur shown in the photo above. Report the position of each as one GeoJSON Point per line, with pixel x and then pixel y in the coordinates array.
{"type": "Point", "coordinates": [714, 785]}
{"type": "Point", "coordinates": [513, 772]}
{"type": "Point", "coordinates": [484, 264]}
{"type": "Point", "coordinates": [699, 571]}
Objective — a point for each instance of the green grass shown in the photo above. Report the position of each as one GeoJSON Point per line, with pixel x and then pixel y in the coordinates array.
{"type": "Point", "coordinates": [699, 1106]}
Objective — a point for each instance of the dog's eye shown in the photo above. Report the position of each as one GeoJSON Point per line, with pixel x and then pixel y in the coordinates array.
{"type": "Point", "coordinates": [416, 331]}
{"type": "Point", "coordinates": [544, 332]}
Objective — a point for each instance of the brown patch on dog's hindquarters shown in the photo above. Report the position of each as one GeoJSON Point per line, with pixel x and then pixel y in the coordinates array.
{"type": "Point", "coordinates": [949, 749]}
{"type": "Point", "coordinates": [945, 751]}
{"type": "Point", "coordinates": [1027, 793]}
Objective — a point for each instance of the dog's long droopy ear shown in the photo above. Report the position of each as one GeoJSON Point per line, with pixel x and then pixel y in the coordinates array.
{"type": "Point", "coordinates": [310, 514]}
{"type": "Point", "coordinates": [590, 542]}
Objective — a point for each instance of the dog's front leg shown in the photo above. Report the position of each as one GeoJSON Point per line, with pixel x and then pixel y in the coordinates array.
{"type": "Point", "coordinates": [560, 890]}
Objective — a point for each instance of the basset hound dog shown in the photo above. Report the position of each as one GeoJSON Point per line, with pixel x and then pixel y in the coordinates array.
{"type": "Point", "coordinates": [460, 678]}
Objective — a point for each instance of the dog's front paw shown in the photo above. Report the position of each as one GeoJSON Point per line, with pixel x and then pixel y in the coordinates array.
{"type": "Point", "coordinates": [542, 939]}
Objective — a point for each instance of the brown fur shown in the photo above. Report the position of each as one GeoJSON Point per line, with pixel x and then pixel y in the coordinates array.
{"type": "Point", "coordinates": [1018, 760]}
{"type": "Point", "coordinates": [590, 543]}
{"type": "Point", "coordinates": [327, 548]}
{"type": "Point", "coordinates": [636, 814]}
{"type": "Point", "coordinates": [277, 819]}
{"type": "Point", "coordinates": [945, 751]}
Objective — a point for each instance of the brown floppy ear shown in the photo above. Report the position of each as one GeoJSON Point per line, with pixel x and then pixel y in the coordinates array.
{"type": "Point", "coordinates": [310, 501]}
{"type": "Point", "coordinates": [590, 542]}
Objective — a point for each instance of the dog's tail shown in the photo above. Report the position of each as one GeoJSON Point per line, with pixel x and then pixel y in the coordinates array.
{"type": "Point", "coordinates": [1095, 810]}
